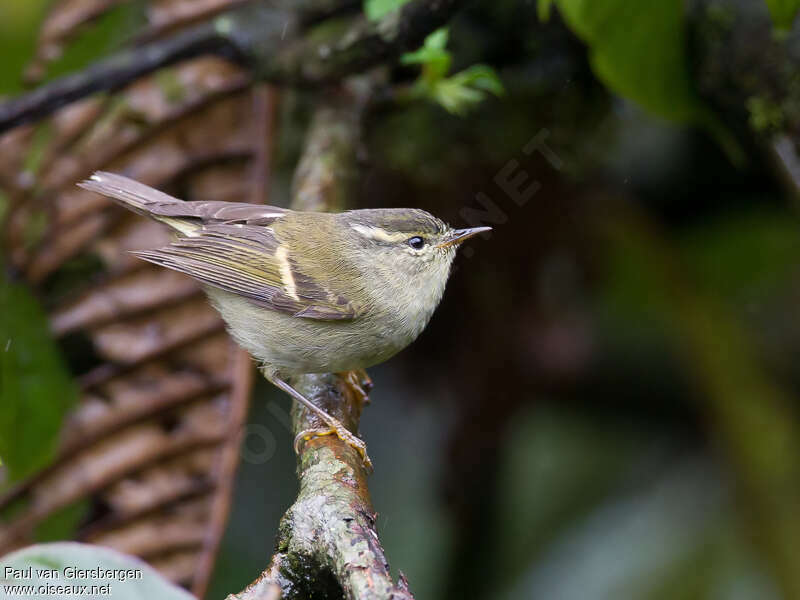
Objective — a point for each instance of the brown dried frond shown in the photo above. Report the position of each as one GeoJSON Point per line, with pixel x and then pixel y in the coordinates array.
{"type": "Point", "coordinates": [153, 443]}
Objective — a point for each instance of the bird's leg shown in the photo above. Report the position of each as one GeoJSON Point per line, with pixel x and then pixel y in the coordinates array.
{"type": "Point", "coordinates": [359, 383]}
{"type": "Point", "coordinates": [334, 425]}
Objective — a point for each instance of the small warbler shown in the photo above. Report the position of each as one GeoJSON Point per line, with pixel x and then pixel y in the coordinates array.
{"type": "Point", "coordinates": [305, 292]}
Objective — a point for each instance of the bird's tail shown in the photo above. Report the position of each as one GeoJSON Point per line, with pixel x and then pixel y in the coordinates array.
{"type": "Point", "coordinates": [131, 194]}
{"type": "Point", "coordinates": [138, 197]}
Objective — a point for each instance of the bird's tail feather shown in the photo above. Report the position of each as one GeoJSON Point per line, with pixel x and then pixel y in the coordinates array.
{"type": "Point", "coordinates": [131, 194]}
{"type": "Point", "coordinates": [135, 196]}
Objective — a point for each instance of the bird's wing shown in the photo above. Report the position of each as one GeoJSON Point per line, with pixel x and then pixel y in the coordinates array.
{"type": "Point", "coordinates": [228, 245]}
{"type": "Point", "coordinates": [249, 261]}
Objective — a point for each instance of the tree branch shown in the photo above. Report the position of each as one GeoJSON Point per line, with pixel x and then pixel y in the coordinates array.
{"type": "Point", "coordinates": [112, 73]}
{"type": "Point", "coordinates": [328, 546]}
{"type": "Point", "coordinates": [354, 45]}
{"type": "Point", "coordinates": [259, 36]}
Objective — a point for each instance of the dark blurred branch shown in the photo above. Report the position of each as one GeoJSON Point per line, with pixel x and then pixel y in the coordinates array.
{"type": "Point", "coordinates": [752, 417]}
{"type": "Point", "coordinates": [328, 546]}
{"type": "Point", "coordinates": [784, 149]}
{"type": "Point", "coordinates": [259, 36]}
{"type": "Point", "coordinates": [749, 74]}
{"type": "Point", "coordinates": [111, 73]}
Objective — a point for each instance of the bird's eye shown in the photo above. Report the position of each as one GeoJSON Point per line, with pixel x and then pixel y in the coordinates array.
{"type": "Point", "coordinates": [416, 243]}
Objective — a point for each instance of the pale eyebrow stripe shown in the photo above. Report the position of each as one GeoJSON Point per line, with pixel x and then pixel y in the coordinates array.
{"type": "Point", "coordinates": [282, 255]}
{"type": "Point", "coordinates": [376, 233]}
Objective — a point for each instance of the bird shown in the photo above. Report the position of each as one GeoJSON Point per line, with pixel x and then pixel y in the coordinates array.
{"type": "Point", "coordinates": [304, 292]}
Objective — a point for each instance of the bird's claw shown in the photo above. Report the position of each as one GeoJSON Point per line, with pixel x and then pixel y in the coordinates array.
{"type": "Point", "coordinates": [342, 433]}
{"type": "Point", "coordinates": [359, 382]}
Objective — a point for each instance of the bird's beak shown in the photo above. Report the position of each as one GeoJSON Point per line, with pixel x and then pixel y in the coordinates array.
{"type": "Point", "coordinates": [457, 236]}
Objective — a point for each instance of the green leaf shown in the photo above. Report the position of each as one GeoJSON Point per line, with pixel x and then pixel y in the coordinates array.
{"type": "Point", "coordinates": [131, 578]}
{"type": "Point", "coordinates": [433, 49]}
{"type": "Point", "coordinates": [481, 77]}
{"type": "Point", "coordinates": [466, 89]}
{"type": "Point", "coordinates": [101, 38]}
{"type": "Point", "coordinates": [433, 57]}
{"type": "Point", "coordinates": [438, 39]}
{"type": "Point", "coordinates": [783, 12]}
{"type": "Point", "coordinates": [455, 98]}
{"type": "Point", "coordinates": [35, 388]}
{"type": "Point", "coordinates": [458, 93]}
{"type": "Point", "coordinates": [375, 9]}
{"type": "Point", "coordinates": [543, 10]}
{"type": "Point", "coordinates": [638, 49]}
{"type": "Point", "coordinates": [63, 523]}
{"type": "Point", "coordinates": [18, 31]}
{"type": "Point", "coordinates": [38, 146]}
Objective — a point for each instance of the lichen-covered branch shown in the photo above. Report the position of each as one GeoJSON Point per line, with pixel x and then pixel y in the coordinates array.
{"type": "Point", "coordinates": [328, 546]}
{"type": "Point", "coordinates": [327, 171]}
{"type": "Point", "coordinates": [260, 36]}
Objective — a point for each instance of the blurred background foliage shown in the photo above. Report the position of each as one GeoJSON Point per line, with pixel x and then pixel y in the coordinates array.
{"type": "Point", "coordinates": [605, 405]}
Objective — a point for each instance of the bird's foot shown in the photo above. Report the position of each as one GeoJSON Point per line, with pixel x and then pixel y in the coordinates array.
{"type": "Point", "coordinates": [335, 428]}
{"type": "Point", "coordinates": [359, 383]}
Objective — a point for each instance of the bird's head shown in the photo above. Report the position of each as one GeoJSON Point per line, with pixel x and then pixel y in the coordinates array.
{"type": "Point", "coordinates": [410, 244]}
